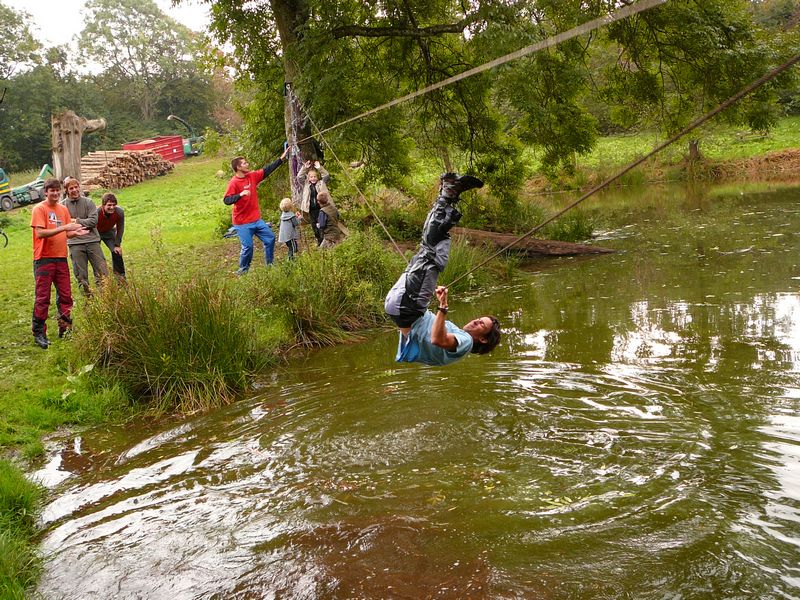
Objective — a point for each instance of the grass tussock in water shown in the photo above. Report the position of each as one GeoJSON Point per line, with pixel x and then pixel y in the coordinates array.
{"type": "Point", "coordinates": [328, 295]}
{"type": "Point", "coordinates": [463, 258]}
{"type": "Point", "coordinates": [188, 345]}
{"type": "Point", "coordinates": [20, 563]}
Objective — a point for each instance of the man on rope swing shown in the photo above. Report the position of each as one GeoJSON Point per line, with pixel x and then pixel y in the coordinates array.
{"type": "Point", "coordinates": [425, 337]}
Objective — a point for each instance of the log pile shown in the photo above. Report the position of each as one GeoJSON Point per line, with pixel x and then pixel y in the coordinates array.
{"type": "Point", "coordinates": [114, 169]}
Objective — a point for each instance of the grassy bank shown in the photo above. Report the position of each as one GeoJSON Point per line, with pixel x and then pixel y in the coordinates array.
{"type": "Point", "coordinates": [726, 152]}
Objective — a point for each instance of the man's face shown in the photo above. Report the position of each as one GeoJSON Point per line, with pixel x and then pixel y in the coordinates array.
{"type": "Point", "coordinates": [109, 207]}
{"type": "Point", "coordinates": [244, 167]}
{"type": "Point", "coordinates": [479, 328]}
{"type": "Point", "coordinates": [52, 195]}
{"type": "Point", "coordinates": [73, 190]}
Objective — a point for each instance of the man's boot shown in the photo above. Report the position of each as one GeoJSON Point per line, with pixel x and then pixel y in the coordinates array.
{"type": "Point", "coordinates": [453, 184]}
{"type": "Point", "coordinates": [444, 215]}
{"type": "Point", "coordinates": [39, 333]}
{"type": "Point", "coordinates": [64, 325]}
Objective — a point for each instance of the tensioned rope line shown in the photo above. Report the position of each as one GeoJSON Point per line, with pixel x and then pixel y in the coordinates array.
{"type": "Point", "coordinates": [726, 104]}
{"type": "Point", "coordinates": [352, 181]}
{"type": "Point", "coordinates": [582, 29]}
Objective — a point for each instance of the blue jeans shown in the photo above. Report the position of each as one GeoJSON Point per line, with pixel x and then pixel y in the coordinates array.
{"type": "Point", "coordinates": [246, 233]}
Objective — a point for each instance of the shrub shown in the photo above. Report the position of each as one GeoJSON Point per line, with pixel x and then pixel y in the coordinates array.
{"type": "Point", "coordinates": [574, 226]}
{"type": "Point", "coordinates": [327, 295]}
{"type": "Point", "coordinates": [190, 345]}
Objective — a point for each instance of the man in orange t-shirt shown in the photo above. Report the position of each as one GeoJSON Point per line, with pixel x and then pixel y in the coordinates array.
{"type": "Point", "coordinates": [52, 226]}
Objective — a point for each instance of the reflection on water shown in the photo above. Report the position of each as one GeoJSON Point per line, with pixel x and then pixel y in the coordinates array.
{"type": "Point", "coordinates": [635, 435]}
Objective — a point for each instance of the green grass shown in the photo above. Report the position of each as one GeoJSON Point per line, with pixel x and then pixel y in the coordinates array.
{"type": "Point", "coordinates": [717, 142]}
{"type": "Point", "coordinates": [20, 563]}
{"type": "Point", "coordinates": [22, 177]}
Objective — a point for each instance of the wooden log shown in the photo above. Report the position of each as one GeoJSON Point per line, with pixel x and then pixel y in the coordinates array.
{"type": "Point", "coordinates": [530, 247]}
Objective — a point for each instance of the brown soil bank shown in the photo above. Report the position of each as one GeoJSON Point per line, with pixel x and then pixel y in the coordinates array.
{"type": "Point", "coordinates": [775, 166]}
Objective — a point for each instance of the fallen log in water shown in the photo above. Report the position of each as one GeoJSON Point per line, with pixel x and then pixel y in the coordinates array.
{"type": "Point", "coordinates": [530, 247]}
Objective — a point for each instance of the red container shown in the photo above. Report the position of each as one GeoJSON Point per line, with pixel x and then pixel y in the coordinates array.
{"type": "Point", "coordinates": [169, 147]}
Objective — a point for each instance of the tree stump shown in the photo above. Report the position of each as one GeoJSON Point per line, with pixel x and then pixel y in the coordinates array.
{"type": "Point", "coordinates": [694, 150]}
{"type": "Point", "coordinates": [67, 129]}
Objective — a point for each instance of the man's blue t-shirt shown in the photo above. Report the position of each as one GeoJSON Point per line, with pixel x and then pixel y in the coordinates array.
{"type": "Point", "coordinates": [417, 346]}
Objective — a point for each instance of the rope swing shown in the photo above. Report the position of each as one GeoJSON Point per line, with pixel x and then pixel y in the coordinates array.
{"type": "Point", "coordinates": [589, 26]}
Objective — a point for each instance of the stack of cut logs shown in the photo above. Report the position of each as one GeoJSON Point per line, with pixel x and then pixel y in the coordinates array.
{"type": "Point", "coordinates": [114, 169]}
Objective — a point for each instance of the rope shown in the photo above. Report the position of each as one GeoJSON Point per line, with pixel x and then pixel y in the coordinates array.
{"type": "Point", "coordinates": [730, 101]}
{"type": "Point", "coordinates": [582, 29]}
{"type": "Point", "coordinates": [352, 181]}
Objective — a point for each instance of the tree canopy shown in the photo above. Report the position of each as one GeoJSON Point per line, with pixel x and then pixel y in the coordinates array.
{"type": "Point", "coordinates": [659, 68]}
{"type": "Point", "coordinates": [139, 66]}
{"type": "Point", "coordinates": [19, 48]}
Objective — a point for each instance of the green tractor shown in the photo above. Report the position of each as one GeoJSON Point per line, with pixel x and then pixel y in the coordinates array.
{"type": "Point", "coordinates": [30, 193]}
{"type": "Point", "coordinates": [193, 145]}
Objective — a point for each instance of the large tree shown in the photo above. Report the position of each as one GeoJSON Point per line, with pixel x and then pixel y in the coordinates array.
{"type": "Point", "coordinates": [139, 46]}
{"type": "Point", "coordinates": [19, 47]}
{"type": "Point", "coordinates": [664, 66]}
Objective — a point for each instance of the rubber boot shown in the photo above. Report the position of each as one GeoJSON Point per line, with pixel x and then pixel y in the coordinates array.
{"type": "Point", "coordinates": [40, 333]}
{"type": "Point", "coordinates": [453, 184]}
{"type": "Point", "coordinates": [444, 215]}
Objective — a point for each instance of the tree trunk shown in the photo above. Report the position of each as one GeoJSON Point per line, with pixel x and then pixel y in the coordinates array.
{"type": "Point", "coordinates": [530, 247]}
{"type": "Point", "coordinates": [66, 131]}
{"type": "Point", "coordinates": [694, 150]}
{"type": "Point", "coordinates": [290, 16]}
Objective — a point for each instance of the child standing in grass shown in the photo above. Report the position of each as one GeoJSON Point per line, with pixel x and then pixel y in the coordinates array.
{"type": "Point", "coordinates": [289, 231]}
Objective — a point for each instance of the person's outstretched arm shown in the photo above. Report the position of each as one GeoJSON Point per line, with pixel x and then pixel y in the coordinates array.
{"type": "Point", "coordinates": [439, 335]}
{"type": "Point", "coordinates": [323, 172]}
{"type": "Point", "coordinates": [275, 164]}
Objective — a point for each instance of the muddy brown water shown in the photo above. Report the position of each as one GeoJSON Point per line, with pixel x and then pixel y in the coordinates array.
{"type": "Point", "coordinates": [636, 435]}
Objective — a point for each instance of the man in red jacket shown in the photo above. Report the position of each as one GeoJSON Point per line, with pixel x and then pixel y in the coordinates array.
{"type": "Point", "coordinates": [247, 221]}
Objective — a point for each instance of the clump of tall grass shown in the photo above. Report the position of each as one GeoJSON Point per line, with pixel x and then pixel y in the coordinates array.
{"type": "Point", "coordinates": [463, 258]}
{"type": "Point", "coordinates": [19, 503]}
{"type": "Point", "coordinates": [188, 345]}
{"type": "Point", "coordinates": [328, 295]}
{"type": "Point", "coordinates": [574, 226]}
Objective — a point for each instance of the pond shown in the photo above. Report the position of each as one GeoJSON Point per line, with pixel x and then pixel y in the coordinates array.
{"type": "Point", "coordinates": [635, 435]}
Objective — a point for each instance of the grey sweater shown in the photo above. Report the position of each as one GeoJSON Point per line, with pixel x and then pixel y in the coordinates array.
{"type": "Point", "coordinates": [83, 211]}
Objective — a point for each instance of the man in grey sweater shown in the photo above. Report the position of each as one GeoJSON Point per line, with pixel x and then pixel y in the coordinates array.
{"type": "Point", "coordinates": [84, 249]}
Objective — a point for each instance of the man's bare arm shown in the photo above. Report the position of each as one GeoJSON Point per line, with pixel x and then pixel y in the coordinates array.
{"type": "Point", "coordinates": [439, 335]}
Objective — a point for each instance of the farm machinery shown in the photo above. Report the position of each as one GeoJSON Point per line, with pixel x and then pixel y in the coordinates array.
{"type": "Point", "coordinates": [30, 193]}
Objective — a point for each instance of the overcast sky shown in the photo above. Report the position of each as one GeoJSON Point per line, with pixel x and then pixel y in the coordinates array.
{"type": "Point", "coordinates": [59, 21]}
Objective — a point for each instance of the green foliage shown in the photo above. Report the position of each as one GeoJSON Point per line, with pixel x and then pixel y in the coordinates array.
{"type": "Point", "coordinates": [19, 561]}
{"type": "Point", "coordinates": [140, 45]}
{"type": "Point", "coordinates": [206, 360]}
{"type": "Point", "coordinates": [660, 68]}
{"type": "Point", "coordinates": [463, 258]}
{"type": "Point", "coordinates": [684, 58]}
{"type": "Point", "coordinates": [328, 295]}
{"type": "Point", "coordinates": [19, 48]}
{"type": "Point", "coordinates": [574, 226]}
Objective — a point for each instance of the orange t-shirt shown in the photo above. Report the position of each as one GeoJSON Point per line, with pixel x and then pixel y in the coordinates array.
{"type": "Point", "coordinates": [49, 217]}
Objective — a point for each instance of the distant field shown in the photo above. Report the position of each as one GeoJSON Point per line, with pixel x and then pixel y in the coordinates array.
{"type": "Point", "coordinates": [716, 142]}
